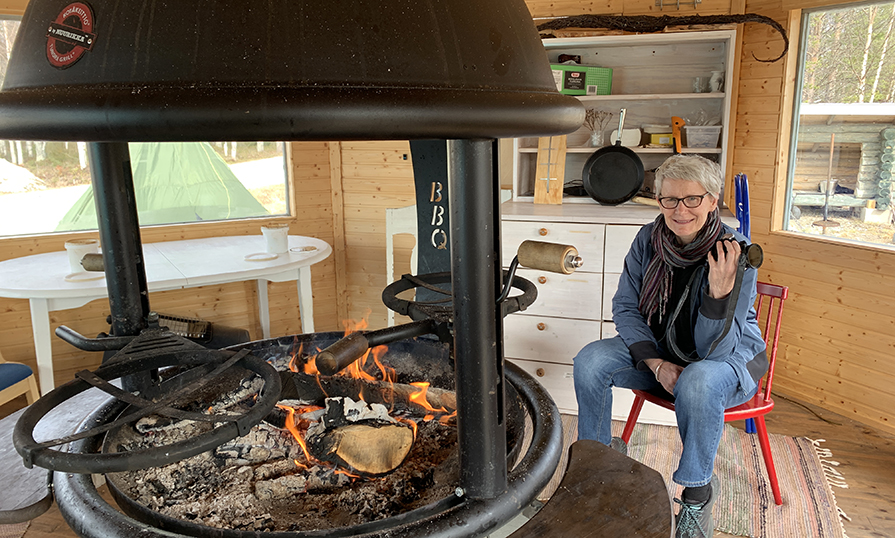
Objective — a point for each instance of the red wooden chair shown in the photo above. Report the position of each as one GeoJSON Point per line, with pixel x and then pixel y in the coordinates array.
{"type": "Point", "coordinates": [769, 307]}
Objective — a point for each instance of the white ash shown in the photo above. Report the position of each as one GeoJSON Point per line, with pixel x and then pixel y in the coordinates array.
{"type": "Point", "coordinates": [274, 469]}
{"type": "Point", "coordinates": [281, 487]}
{"type": "Point", "coordinates": [263, 443]}
{"type": "Point", "coordinates": [235, 510]}
{"type": "Point", "coordinates": [248, 389]}
{"type": "Point", "coordinates": [321, 479]}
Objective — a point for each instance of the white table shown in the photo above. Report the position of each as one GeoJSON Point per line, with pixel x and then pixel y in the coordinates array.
{"type": "Point", "coordinates": [169, 265]}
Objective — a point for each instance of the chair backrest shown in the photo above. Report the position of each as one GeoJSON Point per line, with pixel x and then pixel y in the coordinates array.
{"type": "Point", "coordinates": [769, 310]}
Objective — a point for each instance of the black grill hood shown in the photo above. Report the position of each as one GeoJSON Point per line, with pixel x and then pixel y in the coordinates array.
{"type": "Point", "coordinates": [181, 70]}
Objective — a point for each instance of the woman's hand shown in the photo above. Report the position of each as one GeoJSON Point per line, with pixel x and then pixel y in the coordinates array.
{"type": "Point", "coordinates": [723, 271]}
{"type": "Point", "coordinates": [667, 374]}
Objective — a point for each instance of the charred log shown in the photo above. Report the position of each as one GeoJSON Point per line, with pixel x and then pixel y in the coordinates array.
{"type": "Point", "coordinates": [359, 437]}
{"type": "Point", "coordinates": [396, 396]}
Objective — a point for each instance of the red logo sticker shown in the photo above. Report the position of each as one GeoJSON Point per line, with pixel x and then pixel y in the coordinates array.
{"type": "Point", "coordinates": [70, 35]}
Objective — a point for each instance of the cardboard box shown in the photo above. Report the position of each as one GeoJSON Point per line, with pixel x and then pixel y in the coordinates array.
{"type": "Point", "coordinates": [582, 79]}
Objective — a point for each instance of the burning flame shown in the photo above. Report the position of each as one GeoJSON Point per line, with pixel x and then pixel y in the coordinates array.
{"type": "Point", "coordinates": [308, 367]}
{"type": "Point", "coordinates": [419, 398]}
{"type": "Point", "coordinates": [411, 423]}
{"type": "Point", "coordinates": [346, 473]}
{"type": "Point", "coordinates": [293, 429]}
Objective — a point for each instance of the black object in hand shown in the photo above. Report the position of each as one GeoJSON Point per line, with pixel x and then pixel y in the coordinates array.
{"type": "Point", "coordinates": [752, 254]}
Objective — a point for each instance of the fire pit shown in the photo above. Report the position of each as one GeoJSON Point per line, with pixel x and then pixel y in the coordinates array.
{"type": "Point", "coordinates": [109, 72]}
{"type": "Point", "coordinates": [450, 512]}
{"type": "Point", "coordinates": [265, 481]}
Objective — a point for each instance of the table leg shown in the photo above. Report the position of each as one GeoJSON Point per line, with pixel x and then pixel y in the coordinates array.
{"type": "Point", "coordinates": [43, 348]}
{"type": "Point", "coordinates": [305, 300]}
{"type": "Point", "coordinates": [263, 308]}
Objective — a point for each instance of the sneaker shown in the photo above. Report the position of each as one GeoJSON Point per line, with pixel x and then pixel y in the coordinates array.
{"type": "Point", "coordinates": [618, 445]}
{"type": "Point", "coordinates": [695, 520]}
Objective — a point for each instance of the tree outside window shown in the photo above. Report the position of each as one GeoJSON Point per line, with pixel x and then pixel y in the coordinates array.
{"type": "Point", "coordinates": [843, 144]}
{"type": "Point", "coordinates": [45, 186]}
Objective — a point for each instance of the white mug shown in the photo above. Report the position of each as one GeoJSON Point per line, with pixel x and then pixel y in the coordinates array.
{"type": "Point", "coordinates": [277, 237]}
{"type": "Point", "coordinates": [76, 249]}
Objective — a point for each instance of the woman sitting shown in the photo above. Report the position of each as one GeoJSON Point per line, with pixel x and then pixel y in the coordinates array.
{"type": "Point", "coordinates": [686, 325]}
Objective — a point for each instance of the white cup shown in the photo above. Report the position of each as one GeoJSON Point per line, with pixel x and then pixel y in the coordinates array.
{"type": "Point", "coordinates": [76, 249]}
{"type": "Point", "coordinates": [277, 237]}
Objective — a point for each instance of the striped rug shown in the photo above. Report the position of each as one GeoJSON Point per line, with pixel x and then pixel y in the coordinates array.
{"type": "Point", "coordinates": [745, 505]}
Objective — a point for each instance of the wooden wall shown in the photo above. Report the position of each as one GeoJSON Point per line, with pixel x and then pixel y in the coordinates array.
{"type": "Point", "coordinates": [838, 337]}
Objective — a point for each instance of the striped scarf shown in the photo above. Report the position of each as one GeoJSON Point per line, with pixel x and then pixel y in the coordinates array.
{"type": "Point", "coordinates": [668, 255]}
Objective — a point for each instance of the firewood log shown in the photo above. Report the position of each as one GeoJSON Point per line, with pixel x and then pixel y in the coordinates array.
{"type": "Point", "coordinates": [311, 388]}
{"type": "Point", "coordinates": [358, 436]}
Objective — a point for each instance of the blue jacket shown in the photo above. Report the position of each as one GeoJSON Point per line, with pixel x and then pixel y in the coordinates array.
{"type": "Point", "coordinates": [743, 347]}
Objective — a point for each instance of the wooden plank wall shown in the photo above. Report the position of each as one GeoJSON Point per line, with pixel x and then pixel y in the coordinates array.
{"type": "Point", "coordinates": [232, 304]}
{"type": "Point", "coordinates": [375, 176]}
{"type": "Point", "coordinates": [838, 330]}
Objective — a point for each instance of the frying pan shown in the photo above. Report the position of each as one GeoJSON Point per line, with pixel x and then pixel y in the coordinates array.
{"type": "Point", "coordinates": [613, 174]}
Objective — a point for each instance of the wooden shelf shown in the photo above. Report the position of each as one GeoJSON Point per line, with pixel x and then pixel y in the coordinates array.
{"type": "Point", "coordinates": [652, 79]}
{"type": "Point", "coordinates": [658, 151]}
{"type": "Point", "coordinates": [651, 96]}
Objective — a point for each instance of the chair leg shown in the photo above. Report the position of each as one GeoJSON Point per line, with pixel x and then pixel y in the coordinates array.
{"type": "Point", "coordinates": [765, 443]}
{"type": "Point", "coordinates": [33, 394]}
{"type": "Point", "coordinates": [632, 418]}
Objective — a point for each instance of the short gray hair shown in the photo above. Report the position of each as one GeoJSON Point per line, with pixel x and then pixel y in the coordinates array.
{"type": "Point", "coordinates": [691, 168]}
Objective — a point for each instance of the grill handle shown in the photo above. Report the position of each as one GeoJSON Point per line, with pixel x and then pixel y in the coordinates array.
{"type": "Point", "coordinates": [339, 355]}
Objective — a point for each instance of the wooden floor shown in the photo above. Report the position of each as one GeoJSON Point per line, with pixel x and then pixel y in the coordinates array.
{"type": "Point", "coordinates": [866, 456]}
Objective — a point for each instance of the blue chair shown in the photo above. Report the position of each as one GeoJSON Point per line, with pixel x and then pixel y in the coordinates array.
{"type": "Point", "coordinates": [17, 379]}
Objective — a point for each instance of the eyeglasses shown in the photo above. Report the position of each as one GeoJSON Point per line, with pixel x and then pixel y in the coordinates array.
{"type": "Point", "coordinates": [670, 202]}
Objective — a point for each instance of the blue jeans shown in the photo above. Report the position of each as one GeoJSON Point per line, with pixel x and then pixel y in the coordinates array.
{"type": "Point", "coordinates": [702, 393]}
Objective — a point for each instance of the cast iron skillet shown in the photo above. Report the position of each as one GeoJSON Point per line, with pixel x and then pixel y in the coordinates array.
{"type": "Point", "coordinates": [613, 174]}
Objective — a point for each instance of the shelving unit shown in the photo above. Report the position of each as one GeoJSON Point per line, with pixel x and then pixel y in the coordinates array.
{"type": "Point", "coordinates": [652, 76]}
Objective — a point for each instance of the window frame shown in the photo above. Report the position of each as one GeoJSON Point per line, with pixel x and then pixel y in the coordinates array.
{"type": "Point", "coordinates": [788, 142]}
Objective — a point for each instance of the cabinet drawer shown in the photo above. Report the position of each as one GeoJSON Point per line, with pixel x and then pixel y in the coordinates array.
{"type": "Point", "coordinates": [555, 340]}
{"type": "Point", "coordinates": [607, 330]}
{"type": "Point", "coordinates": [610, 285]}
{"type": "Point", "coordinates": [587, 238]}
{"type": "Point", "coordinates": [559, 381]}
{"type": "Point", "coordinates": [618, 243]}
{"type": "Point", "coordinates": [556, 379]}
{"type": "Point", "coordinates": [578, 295]}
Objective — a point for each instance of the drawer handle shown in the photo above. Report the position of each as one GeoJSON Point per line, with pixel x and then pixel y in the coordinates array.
{"type": "Point", "coordinates": [542, 326]}
{"type": "Point", "coordinates": [540, 372]}
{"type": "Point", "coordinates": [543, 231]}
{"type": "Point", "coordinates": [542, 279]}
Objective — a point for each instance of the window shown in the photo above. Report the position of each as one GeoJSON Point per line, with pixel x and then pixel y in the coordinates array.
{"type": "Point", "coordinates": [843, 140]}
{"type": "Point", "coordinates": [45, 186]}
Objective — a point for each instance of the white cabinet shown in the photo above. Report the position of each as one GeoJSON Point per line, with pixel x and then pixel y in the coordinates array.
{"type": "Point", "coordinates": [571, 310]}
{"type": "Point", "coordinates": [652, 78]}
